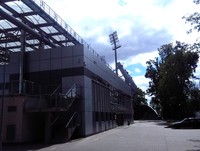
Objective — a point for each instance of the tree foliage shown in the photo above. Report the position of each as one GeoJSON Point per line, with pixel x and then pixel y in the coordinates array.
{"type": "Point", "coordinates": [169, 76]}
{"type": "Point", "coordinates": [140, 97]}
{"type": "Point", "coordinates": [193, 103]}
{"type": "Point", "coordinates": [193, 19]}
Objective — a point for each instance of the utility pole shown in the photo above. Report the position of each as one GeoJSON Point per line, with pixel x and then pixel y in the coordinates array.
{"type": "Point", "coordinates": [115, 42]}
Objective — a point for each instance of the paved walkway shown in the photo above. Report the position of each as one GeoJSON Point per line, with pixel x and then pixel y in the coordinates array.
{"type": "Point", "coordinates": [140, 136]}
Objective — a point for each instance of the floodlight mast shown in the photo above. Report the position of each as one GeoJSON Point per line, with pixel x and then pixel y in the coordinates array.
{"type": "Point", "coordinates": [115, 42]}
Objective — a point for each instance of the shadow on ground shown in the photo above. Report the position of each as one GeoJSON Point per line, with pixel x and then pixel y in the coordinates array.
{"type": "Point", "coordinates": [24, 147]}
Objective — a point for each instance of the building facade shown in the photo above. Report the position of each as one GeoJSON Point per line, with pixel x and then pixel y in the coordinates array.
{"type": "Point", "coordinates": [56, 94]}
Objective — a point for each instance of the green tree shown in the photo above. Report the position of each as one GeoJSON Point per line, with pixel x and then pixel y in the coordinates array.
{"type": "Point", "coordinates": [155, 105]}
{"type": "Point", "coordinates": [194, 95]}
{"type": "Point", "coordinates": [193, 19]}
{"type": "Point", "coordinates": [193, 102]}
{"type": "Point", "coordinates": [152, 72]}
{"type": "Point", "coordinates": [169, 76]}
{"type": "Point", "coordinates": [140, 97]}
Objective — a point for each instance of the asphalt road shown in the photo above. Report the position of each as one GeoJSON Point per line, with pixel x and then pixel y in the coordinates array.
{"type": "Point", "coordinates": [140, 136]}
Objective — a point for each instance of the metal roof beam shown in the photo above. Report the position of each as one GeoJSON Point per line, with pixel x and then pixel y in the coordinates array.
{"type": "Point", "coordinates": [32, 46]}
{"type": "Point", "coordinates": [44, 25]}
{"type": "Point", "coordinates": [26, 28]}
{"type": "Point", "coordinates": [51, 20]}
{"type": "Point", "coordinates": [30, 24]}
{"type": "Point", "coordinates": [6, 30]}
{"type": "Point", "coordinates": [4, 1]}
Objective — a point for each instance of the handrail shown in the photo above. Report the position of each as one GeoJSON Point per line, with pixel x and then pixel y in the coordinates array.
{"type": "Point", "coordinates": [65, 26]}
{"type": "Point", "coordinates": [34, 88]}
{"type": "Point", "coordinates": [70, 119]}
{"type": "Point", "coordinates": [72, 124]}
{"type": "Point", "coordinates": [70, 90]}
{"type": "Point", "coordinates": [54, 121]}
{"type": "Point", "coordinates": [55, 90]}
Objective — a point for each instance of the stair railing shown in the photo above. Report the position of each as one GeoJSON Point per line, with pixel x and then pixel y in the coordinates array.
{"type": "Point", "coordinates": [72, 92]}
{"type": "Point", "coordinates": [72, 124]}
{"type": "Point", "coordinates": [55, 90]}
{"type": "Point", "coordinates": [54, 97]}
{"type": "Point", "coordinates": [68, 98]}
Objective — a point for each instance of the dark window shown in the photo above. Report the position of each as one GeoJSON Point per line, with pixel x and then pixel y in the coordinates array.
{"type": "Point", "coordinates": [10, 132]}
{"type": "Point", "coordinates": [12, 108]}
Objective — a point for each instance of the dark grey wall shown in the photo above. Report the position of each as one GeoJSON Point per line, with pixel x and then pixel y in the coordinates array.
{"type": "Point", "coordinates": [64, 58]}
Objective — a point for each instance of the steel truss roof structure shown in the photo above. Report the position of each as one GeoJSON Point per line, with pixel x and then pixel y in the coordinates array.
{"type": "Point", "coordinates": [42, 27]}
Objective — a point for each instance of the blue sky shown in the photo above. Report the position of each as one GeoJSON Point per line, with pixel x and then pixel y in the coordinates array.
{"type": "Point", "coordinates": [136, 69]}
{"type": "Point", "coordinates": [142, 26]}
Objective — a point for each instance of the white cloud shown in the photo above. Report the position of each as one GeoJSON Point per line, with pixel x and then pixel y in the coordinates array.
{"type": "Point", "coordinates": [142, 26]}
{"type": "Point", "coordinates": [197, 73]}
{"type": "Point", "coordinates": [137, 70]}
{"type": "Point", "coordinates": [141, 82]}
{"type": "Point", "coordinates": [140, 58]}
{"type": "Point", "coordinates": [90, 17]}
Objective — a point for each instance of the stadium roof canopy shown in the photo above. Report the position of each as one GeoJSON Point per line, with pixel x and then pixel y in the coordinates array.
{"type": "Point", "coordinates": [42, 27]}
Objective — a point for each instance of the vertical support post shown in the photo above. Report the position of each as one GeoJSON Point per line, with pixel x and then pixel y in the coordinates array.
{"type": "Point", "coordinates": [2, 108]}
{"type": "Point", "coordinates": [3, 96]}
{"type": "Point", "coordinates": [132, 111]}
{"type": "Point", "coordinates": [41, 46]}
{"type": "Point", "coordinates": [21, 64]}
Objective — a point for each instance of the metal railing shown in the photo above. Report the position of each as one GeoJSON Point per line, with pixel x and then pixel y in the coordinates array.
{"type": "Point", "coordinates": [29, 88]}
{"type": "Point", "coordinates": [72, 92]}
{"type": "Point", "coordinates": [72, 124]}
{"type": "Point", "coordinates": [4, 56]}
{"type": "Point", "coordinates": [58, 100]}
{"type": "Point", "coordinates": [56, 90]}
{"type": "Point", "coordinates": [67, 99]}
{"type": "Point", "coordinates": [65, 26]}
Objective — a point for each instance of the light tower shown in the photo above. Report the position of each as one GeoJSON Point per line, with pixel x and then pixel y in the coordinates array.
{"type": "Point", "coordinates": [115, 42]}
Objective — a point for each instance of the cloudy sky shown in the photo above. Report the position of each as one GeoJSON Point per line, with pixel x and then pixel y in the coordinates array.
{"type": "Point", "coordinates": [142, 26]}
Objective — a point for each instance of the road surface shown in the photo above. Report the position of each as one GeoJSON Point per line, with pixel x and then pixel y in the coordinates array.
{"type": "Point", "coordinates": [140, 136]}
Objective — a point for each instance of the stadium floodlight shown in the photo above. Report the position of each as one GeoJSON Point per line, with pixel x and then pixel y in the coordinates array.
{"type": "Point", "coordinates": [114, 40]}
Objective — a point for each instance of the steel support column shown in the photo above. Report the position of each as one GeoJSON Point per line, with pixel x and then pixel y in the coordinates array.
{"type": "Point", "coordinates": [4, 61]}
{"type": "Point", "coordinates": [2, 108]}
{"type": "Point", "coordinates": [21, 63]}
